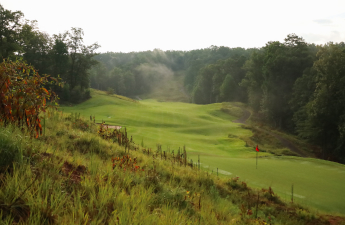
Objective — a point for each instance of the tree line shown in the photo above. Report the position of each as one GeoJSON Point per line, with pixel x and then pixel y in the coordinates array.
{"type": "Point", "coordinates": [134, 73]}
{"type": "Point", "coordinates": [61, 55]}
{"type": "Point", "coordinates": [293, 85]}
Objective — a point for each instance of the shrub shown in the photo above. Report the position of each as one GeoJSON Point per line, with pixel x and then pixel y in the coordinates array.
{"type": "Point", "coordinates": [23, 96]}
{"type": "Point", "coordinates": [110, 91]}
{"type": "Point", "coordinates": [87, 94]}
{"type": "Point", "coordinates": [76, 94]}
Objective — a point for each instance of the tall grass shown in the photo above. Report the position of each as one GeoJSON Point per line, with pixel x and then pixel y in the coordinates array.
{"type": "Point", "coordinates": [68, 177]}
{"type": "Point", "coordinates": [11, 149]}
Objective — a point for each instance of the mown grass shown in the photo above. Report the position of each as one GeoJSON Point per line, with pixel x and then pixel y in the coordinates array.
{"type": "Point", "coordinates": [173, 124]}
{"type": "Point", "coordinates": [67, 177]}
{"type": "Point", "coordinates": [209, 132]}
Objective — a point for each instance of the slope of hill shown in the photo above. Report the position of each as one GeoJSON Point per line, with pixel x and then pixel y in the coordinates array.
{"type": "Point", "coordinates": [70, 175]}
{"type": "Point", "coordinates": [209, 133]}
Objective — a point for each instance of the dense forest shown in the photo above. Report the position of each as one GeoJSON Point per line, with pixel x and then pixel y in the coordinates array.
{"type": "Point", "coordinates": [61, 55]}
{"type": "Point", "coordinates": [136, 73]}
{"type": "Point", "coordinates": [293, 85]}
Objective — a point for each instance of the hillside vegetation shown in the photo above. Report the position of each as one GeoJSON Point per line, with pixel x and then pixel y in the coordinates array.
{"type": "Point", "coordinates": [209, 133]}
{"type": "Point", "coordinates": [169, 161]}
{"type": "Point", "coordinates": [68, 176]}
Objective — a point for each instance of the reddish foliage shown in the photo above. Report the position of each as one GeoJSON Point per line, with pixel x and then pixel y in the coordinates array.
{"type": "Point", "coordinates": [335, 220]}
{"type": "Point", "coordinates": [126, 163]}
{"type": "Point", "coordinates": [22, 95]}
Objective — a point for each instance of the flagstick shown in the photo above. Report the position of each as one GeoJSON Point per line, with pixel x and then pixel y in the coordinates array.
{"type": "Point", "coordinates": [256, 160]}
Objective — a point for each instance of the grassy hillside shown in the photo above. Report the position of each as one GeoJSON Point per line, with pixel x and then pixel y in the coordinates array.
{"type": "Point", "coordinates": [67, 176]}
{"type": "Point", "coordinates": [208, 132]}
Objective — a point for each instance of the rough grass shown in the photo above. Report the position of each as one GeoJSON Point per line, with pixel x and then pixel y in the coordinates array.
{"type": "Point", "coordinates": [209, 132]}
{"type": "Point", "coordinates": [61, 181]}
{"type": "Point", "coordinates": [10, 148]}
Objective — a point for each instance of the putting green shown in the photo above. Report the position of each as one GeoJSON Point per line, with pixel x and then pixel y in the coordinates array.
{"type": "Point", "coordinates": [204, 129]}
{"type": "Point", "coordinates": [317, 183]}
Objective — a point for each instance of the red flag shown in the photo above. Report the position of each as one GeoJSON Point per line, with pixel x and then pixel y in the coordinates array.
{"type": "Point", "coordinates": [257, 148]}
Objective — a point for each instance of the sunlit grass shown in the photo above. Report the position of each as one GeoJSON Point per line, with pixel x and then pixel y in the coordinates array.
{"type": "Point", "coordinates": [207, 131]}
{"type": "Point", "coordinates": [60, 180]}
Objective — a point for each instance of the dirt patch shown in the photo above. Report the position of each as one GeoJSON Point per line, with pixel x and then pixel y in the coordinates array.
{"type": "Point", "coordinates": [45, 155]}
{"type": "Point", "coordinates": [73, 173]}
{"type": "Point", "coordinates": [111, 126]}
{"type": "Point", "coordinates": [114, 127]}
{"type": "Point", "coordinates": [335, 220]}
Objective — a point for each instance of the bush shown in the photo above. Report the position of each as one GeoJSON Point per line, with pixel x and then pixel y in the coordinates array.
{"type": "Point", "coordinates": [23, 95]}
{"type": "Point", "coordinates": [87, 94]}
{"type": "Point", "coordinates": [76, 94]}
{"type": "Point", "coordinates": [110, 91]}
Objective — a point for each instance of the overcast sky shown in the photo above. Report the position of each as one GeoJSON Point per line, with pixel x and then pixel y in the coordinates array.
{"type": "Point", "coordinates": [140, 25]}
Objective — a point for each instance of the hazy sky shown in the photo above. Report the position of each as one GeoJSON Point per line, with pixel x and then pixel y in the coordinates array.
{"type": "Point", "coordinates": [140, 25]}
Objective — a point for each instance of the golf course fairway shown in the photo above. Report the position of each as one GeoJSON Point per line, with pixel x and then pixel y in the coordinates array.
{"type": "Point", "coordinates": [208, 132]}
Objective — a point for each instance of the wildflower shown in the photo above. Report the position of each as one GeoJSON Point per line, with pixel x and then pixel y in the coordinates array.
{"type": "Point", "coordinates": [187, 192]}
